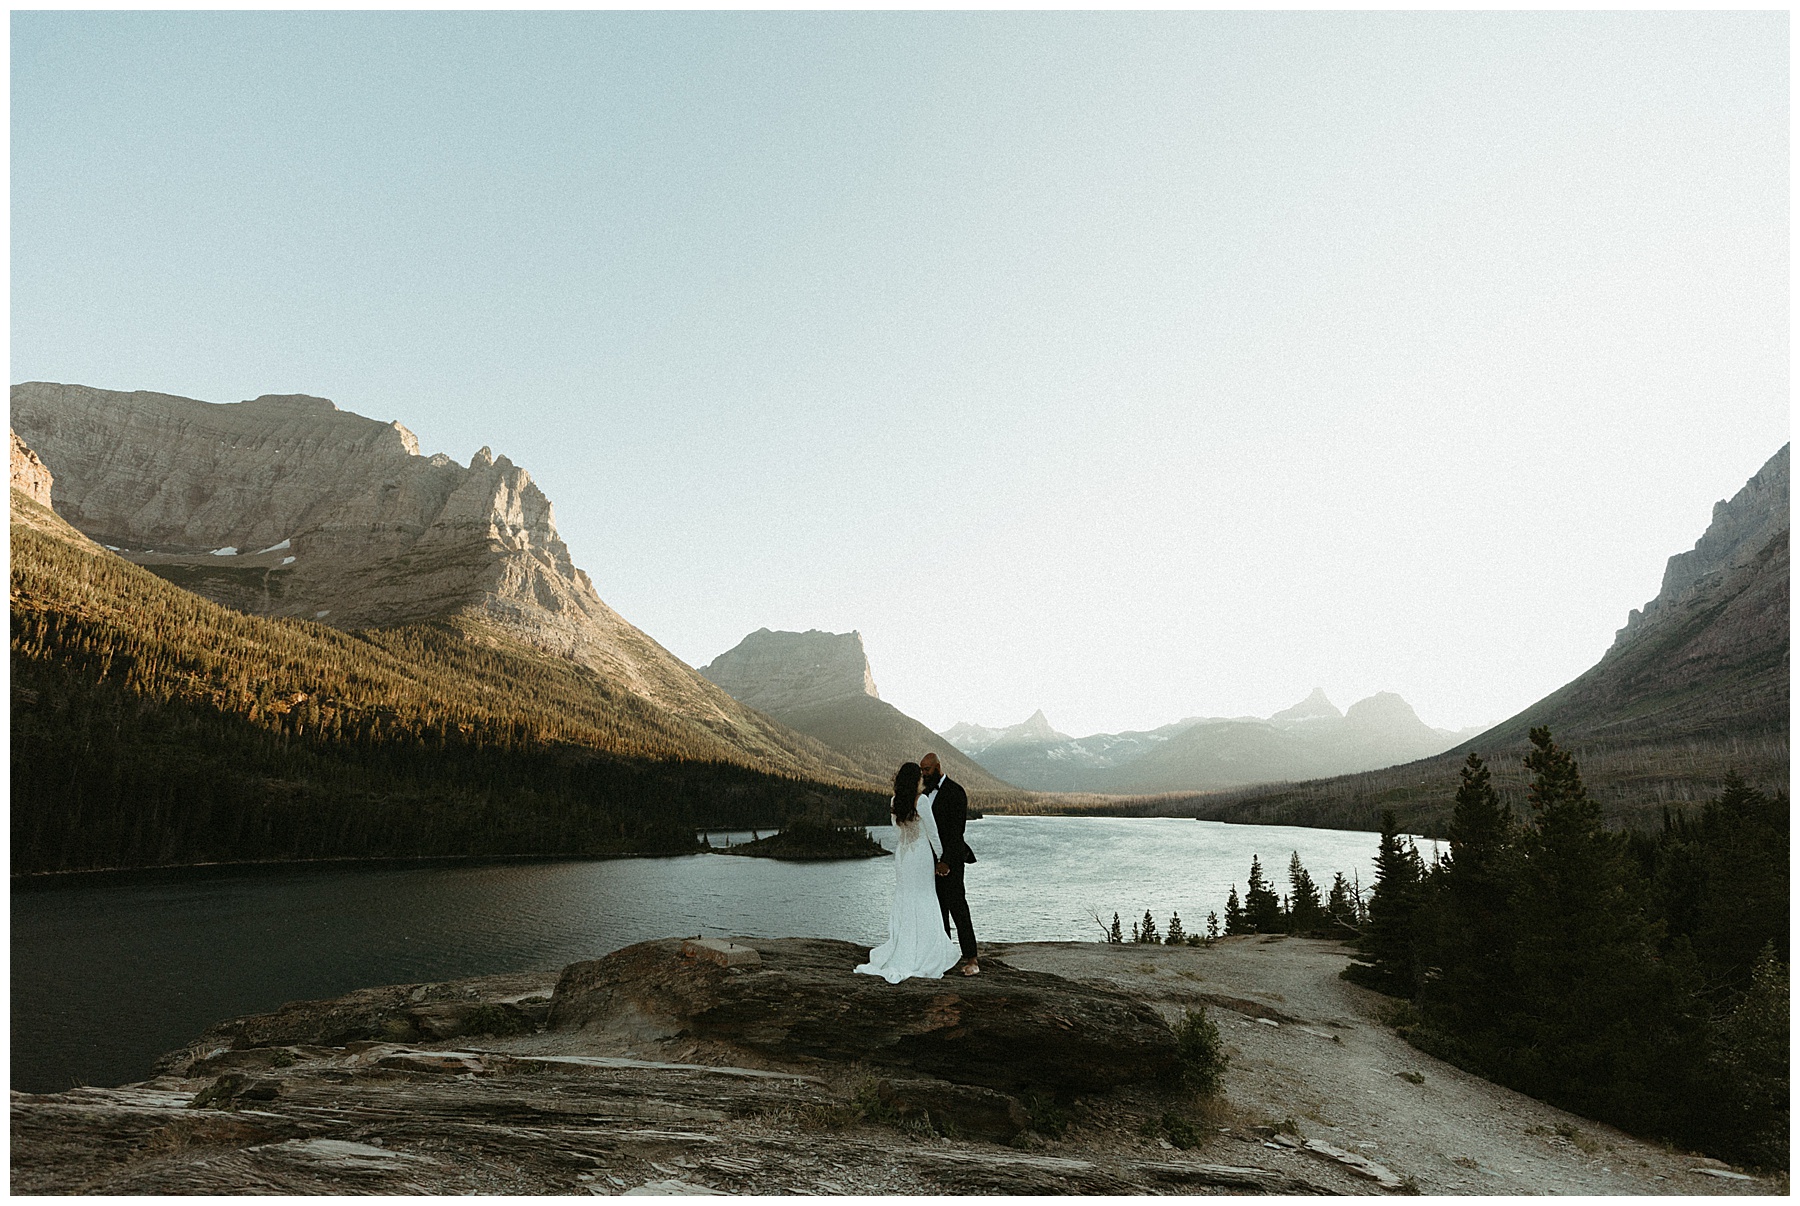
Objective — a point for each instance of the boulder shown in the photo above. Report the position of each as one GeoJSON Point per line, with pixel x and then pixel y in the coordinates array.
{"type": "Point", "coordinates": [1008, 1030]}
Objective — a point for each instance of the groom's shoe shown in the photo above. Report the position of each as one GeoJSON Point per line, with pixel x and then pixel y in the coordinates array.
{"type": "Point", "coordinates": [971, 968]}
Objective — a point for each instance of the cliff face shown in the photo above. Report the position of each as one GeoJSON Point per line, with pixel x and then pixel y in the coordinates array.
{"type": "Point", "coordinates": [782, 671]}
{"type": "Point", "coordinates": [287, 506]}
{"type": "Point", "coordinates": [820, 684]}
{"type": "Point", "coordinates": [29, 476]}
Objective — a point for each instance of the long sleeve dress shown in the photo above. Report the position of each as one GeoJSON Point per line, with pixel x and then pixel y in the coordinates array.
{"type": "Point", "coordinates": [916, 944]}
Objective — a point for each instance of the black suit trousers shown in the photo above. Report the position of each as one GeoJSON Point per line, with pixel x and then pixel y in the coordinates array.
{"type": "Point", "coordinates": [955, 905]}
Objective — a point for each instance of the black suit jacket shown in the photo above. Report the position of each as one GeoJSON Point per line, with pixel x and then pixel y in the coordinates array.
{"type": "Point", "coordinates": [951, 812]}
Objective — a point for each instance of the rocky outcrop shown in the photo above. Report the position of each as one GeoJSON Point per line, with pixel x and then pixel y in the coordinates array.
{"type": "Point", "coordinates": [402, 1013]}
{"type": "Point", "coordinates": [782, 671]}
{"type": "Point", "coordinates": [1006, 1030]}
{"type": "Point", "coordinates": [1320, 1097]}
{"type": "Point", "coordinates": [29, 476]}
{"type": "Point", "coordinates": [287, 506]}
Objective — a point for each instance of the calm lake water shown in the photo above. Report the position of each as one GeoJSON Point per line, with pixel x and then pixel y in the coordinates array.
{"type": "Point", "coordinates": [109, 971]}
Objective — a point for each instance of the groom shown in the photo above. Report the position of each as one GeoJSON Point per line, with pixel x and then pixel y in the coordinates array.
{"type": "Point", "coordinates": [950, 809]}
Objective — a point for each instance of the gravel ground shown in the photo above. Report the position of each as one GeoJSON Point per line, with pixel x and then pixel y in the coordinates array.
{"type": "Point", "coordinates": [1309, 1048]}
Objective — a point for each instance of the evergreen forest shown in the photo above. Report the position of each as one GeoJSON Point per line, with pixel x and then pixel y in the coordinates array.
{"type": "Point", "coordinates": [1637, 978]}
{"type": "Point", "coordinates": [153, 727]}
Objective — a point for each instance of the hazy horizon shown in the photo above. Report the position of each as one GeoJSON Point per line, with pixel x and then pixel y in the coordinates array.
{"type": "Point", "coordinates": [1127, 366]}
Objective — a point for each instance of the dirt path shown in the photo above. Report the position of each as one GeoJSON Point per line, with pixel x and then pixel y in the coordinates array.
{"type": "Point", "coordinates": [1308, 1046]}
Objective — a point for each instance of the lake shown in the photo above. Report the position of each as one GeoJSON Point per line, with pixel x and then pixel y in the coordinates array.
{"type": "Point", "coordinates": [111, 970]}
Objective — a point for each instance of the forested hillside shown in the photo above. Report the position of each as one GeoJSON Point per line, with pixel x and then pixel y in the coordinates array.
{"type": "Point", "coordinates": [153, 727]}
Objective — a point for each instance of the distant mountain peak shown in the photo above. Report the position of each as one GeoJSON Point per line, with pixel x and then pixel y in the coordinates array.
{"type": "Point", "coordinates": [1314, 705]}
{"type": "Point", "coordinates": [1034, 729]}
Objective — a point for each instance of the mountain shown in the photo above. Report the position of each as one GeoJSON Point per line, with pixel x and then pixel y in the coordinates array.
{"type": "Point", "coordinates": [152, 727]}
{"type": "Point", "coordinates": [820, 684]}
{"type": "Point", "coordinates": [1693, 687]}
{"type": "Point", "coordinates": [1311, 738]}
{"type": "Point", "coordinates": [286, 506]}
{"type": "Point", "coordinates": [1709, 655]}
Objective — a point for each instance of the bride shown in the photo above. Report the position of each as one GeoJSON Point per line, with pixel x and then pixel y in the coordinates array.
{"type": "Point", "coordinates": [917, 944]}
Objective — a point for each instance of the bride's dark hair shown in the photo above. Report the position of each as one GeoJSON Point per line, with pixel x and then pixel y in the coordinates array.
{"type": "Point", "coordinates": [906, 792]}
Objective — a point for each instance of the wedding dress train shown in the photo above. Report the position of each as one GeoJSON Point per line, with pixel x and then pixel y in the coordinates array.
{"type": "Point", "coordinates": [916, 943]}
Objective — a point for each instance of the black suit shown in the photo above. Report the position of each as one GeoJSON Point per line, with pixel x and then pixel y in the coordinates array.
{"type": "Point", "coordinates": [951, 812]}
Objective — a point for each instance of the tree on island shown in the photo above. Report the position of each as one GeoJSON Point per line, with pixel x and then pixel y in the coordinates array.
{"type": "Point", "coordinates": [1114, 936]}
{"type": "Point", "coordinates": [1262, 907]}
{"type": "Point", "coordinates": [1176, 935]}
{"type": "Point", "coordinates": [1212, 926]}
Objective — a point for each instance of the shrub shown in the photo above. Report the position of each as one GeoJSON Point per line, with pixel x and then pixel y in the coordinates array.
{"type": "Point", "coordinates": [1200, 1053]}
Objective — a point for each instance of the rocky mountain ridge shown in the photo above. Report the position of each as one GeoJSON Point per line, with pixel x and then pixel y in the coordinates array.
{"type": "Point", "coordinates": [286, 506]}
{"type": "Point", "coordinates": [1205, 752]}
{"type": "Point", "coordinates": [1741, 528]}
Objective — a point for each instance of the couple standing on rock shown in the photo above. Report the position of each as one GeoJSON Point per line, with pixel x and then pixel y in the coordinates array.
{"type": "Point", "coordinates": [929, 811]}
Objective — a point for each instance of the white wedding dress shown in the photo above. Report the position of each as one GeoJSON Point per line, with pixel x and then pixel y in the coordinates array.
{"type": "Point", "coordinates": [916, 943]}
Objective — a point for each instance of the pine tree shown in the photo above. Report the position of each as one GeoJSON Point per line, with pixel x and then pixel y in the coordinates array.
{"type": "Point", "coordinates": [1235, 922]}
{"type": "Point", "coordinates": [1114, 936]}
{"type": "Point", "coordinates": [1212, 925]}
{"type": "Point", "coordinates": [1597, 1024]}
{"type": "Point", "coordinates": [1262, 908]}
{"type": "Point", "coordinates": [1339, 906]}
{"type": "Point", "coordinates": [1473, 937]}
{"type": "Point", "coordinates": [1147, 931]}
{"type": "Point", "coordinates": [1176, 935]}
{"type": "Point", "coordinates": [1305, 912]}
{"type": "Point", "coordinates": [1389, 939]}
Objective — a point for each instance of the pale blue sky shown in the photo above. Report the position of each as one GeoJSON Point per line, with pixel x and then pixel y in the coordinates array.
{"type": "Point", "coordinates": [1131, 366]}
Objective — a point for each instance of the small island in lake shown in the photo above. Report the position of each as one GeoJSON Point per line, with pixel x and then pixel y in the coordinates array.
{"type": "Point", "coordinates": [811, 842]}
